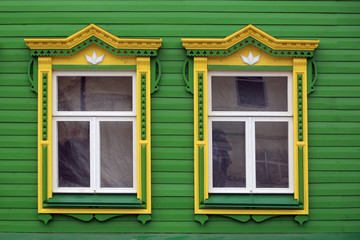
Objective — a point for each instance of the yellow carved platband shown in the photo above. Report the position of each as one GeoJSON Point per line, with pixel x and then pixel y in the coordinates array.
{"type": "Point", "coordinates": [89, 31]}
{"type": "Point", "coordinates": [249, 31]}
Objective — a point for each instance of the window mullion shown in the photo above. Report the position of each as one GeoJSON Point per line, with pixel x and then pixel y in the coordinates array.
{"type": "Point", "coordinates": [250, 142]}
{"type": "Point", "coordinates": [94, 155]}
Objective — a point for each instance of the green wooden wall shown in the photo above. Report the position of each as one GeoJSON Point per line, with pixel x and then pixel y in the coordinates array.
{"type": "Point", "coordinates": [334, 109]}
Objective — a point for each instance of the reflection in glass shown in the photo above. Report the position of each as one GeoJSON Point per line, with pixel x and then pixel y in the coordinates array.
{"type": "Point", "coordinates": [73, 154]}
{"type": "Point", "coordinates": [272, 161]}
{"type": "Point", "coordinates": [116, 140]}
{"type": "Point", "coordinates": [228, 153]}
{"type": "Point", "coordinates": [244, 93]}
{"type": "Point", "coordinates": [94, 93]}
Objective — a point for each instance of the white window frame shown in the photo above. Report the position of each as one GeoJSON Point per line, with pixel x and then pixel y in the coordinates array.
{"type": "Point", "coordinates": [250, 118]}
{"type": "Point", "coordinates": [94, 118]}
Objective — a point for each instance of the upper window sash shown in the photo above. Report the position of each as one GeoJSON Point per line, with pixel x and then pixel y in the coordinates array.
{"type": "Point", "coordinates": [93, 73]}
{"type": "Point", "coordinates": [245, 73]}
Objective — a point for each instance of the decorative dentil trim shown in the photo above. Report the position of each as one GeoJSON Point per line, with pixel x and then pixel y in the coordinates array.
{"type": "Point", "coordinates": [90, 31]}
{"type": "Point", "coordinates": [246, 32]}
{"type": "Point", "coordinates": [300, 107]}
{"type": "Point", "coordinates": [201, 105]}
{"type": "Point", "coordinates": [143, 106]}
{"type": "Point", "coordinates": [45, 106]}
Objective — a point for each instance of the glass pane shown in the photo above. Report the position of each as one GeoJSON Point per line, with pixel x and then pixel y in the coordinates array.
{"type": "Point", "coordinates": [249, 93]}
{"type": "Point", "coordinates": [73, 154]}
{"type": "Point", "coordinates": [94, 93]}
{"type": "Point", "coordinates": [116, 140]}
{"type": "Point", "coordinates": [272, 158]}
{"type": "Point", "coordinates": [228, 143]}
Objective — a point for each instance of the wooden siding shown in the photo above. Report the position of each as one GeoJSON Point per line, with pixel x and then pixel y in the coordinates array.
{"type": "Point", "coordinates": [334, 109]}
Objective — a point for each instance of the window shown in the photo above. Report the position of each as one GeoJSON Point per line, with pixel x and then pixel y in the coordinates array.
{"type": "Point", "coordinates": [250, 132]}
{"type": "Point", "coordinates": [94, 146]}
{"type": "Point", "coordinates": [250, 124]}
{"type": "Point", "coordinates": [94, 124]}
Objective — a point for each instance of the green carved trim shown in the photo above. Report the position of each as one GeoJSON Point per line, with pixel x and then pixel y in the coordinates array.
{"type": "Point", "coordinates": [301, 176]}
{"type": "Point", "coordinates": [144, 218]}
{"type": "Point", "coordinates": [261, 218]}
{"type": "Point", "coordinates": [244, 43]}
{"type": "Point", "coordinates": [188, 74]}
{"type": "Point", "coordinates": [143, 106]}
{"type": "Point", "coordinates": [44, 174]}
{"type": "Point", "coordinates": [45, 106]}
{"type": "Point", "coordinates": [86, 67]}
{"type": "Point", "coordinates": [143, 173]}
{"type": "Point", "coordinates": [105, 217]}
{"type": "Point", "coordinates": [45, 217]}
{"type": "Point", "coordinates": [201, 106]}
{"type": "Point", "coordinates": [155, 74]}
{"type": "Point", "coordinates": [312, 75]}
{"type": "Point", "coordinates": [237, 67]}
{"type": "Point", "coordinates": [240, 218]}
{"type": "Point", "coordinates": [32, 74]}
{"type": "Point", "coordinates": [98, 42]}
{"type": "Point", "coordinates": [300, 107]}
{"type": "Point", "coordinates": [301, 219]}
{"type": "Point", "coordinates": [201, 218]}
{"type": "Point", "coordinates": [201, 174]}
{"type": "Point", "coordinates": [82, 217]}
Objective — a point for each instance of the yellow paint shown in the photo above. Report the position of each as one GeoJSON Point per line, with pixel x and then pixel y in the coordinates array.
{"type": "Point", "coordinates": [249, 31]}
{"type": "Point", "coordinates": [87, 32]}
{"type": "Point", "coordinates": [79, 58]}
{"type": "Point", "coordinates": [265, 59]}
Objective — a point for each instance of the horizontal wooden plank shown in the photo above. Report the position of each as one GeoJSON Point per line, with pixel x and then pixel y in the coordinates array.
{"type": "Point", "coordinates": [16, 91]}
{"type": "Point", "coordinates": [179, 30]}
{"type": "Point", "coordinates": [172, 153]}
{"type": "Point", "coordinates": [334, 140]}
{"type": "Point", "coordinates": [320, 202]}
{"type": "Point", "coordinates": [18, 202]}
{"type": "Point", "coordinates": [169, 129]}
{"type": "Point", "coordinates": [172, 92]}
{"type": "Point", "coordinates": [172, 79]}
{"type": "Point", "coordinates": [171, 103]}
{"type": "Point", "coordinates": [333, 102]}
{"type": "Point", "coordinates": [170, 141]}
{"type": "Point", "coordinates": [18, 103]}
{"type": "Point", "coordinates": [336, 214]}
{"type": "Point", "coordinates": [18, 153]}
{"type": "Point", "coordinates": [335, 164]}
{"type": "Point", "coordinates": [167, 116]}
{"type": "Point", "coordinates": [337, 55]}
{"type": "Point", "coordinates": [18, 190]}
{"type": "Point", "coordinates": [15, 55]}
{"type": "Point", "coordinates": [233, 17]}
{"type": "Point", "coordinates": [337, 79]}
{"type": "Point", "coordinates": [334, 189]}
{"type": "Point", "coordinates": [334, 115]}
{"type": "Point", "coordinates": [14, 79]}
{"type": "Point", "coordinates": [19, 129]}
{"type": "Point", "coordinates": [191, 6]}
{"type": "Point", "coordinates": [171, 190]}
{"type": "Point", "coordinates": [170, 177]}
{"type": "Point", "coordinates": [172, 202]}
{"type": "Point", "coordinates": [338, 67]}
{"type": "Point", "coordinates": [334, 176]}
{"type": "Point", "coordinates": [172, 166]}
{"type": "Point", "coordinates": [334, 152]}
{"type": "Point", "coordinates": [336, 91]}
{"type": "Point", "coordinates": [18, 178]}
{"type": "Point", "coordinates": [14, 67]}
{"type": "Point", "coordinates": [18, 166]}
{"type": "Point", "coordinates": [18, 141]}
{"type": "Point", "coordinates": [18, 116]}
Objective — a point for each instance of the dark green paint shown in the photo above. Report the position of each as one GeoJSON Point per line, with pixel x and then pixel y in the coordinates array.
{"type": "Point", "coordinates": [301, 174]}
{"type": "Point", "coordinates": [188, 74]}
{"type": "Point", "coordinates": [44, 175]}
{"type": "Point", "coordinates": [201, 174]}
{"type": "Point", "coordinates": [44, 106]}
{"type": "Point", "coordinates": [248, 41]}
{"type": "Point", "coordinates": [89, 67]}
{"type": "Point", "coordinates": [33, 74]}
{"type": "Point", "coordinates": [300, 107]}
{"type": "Point", "coordinates": [143, 106]}
{"type": "Point", "coordinates": [201, 106]}
{"type": "Point", "coordinates": [98, 42]}
{"type": "Point", "coordinates": [143, 173]}
{"type": "Point", "coordinates": [155, 74]}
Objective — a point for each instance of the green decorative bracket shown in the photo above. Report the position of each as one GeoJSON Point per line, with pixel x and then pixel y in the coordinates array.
{"type": "Point", "coordinates": [244, 43]}
{"type": "Point", "coordinates": [98, 42]}
{"type": "Point", "coordinates": [240, 218]}
{"type": "Point", "coordinates": [32, 74]}
{"type": "Point", "coordinates": [155, 74]}
{"type": "Point", "coordinates": [144, 218]}
{"type": "Point", "coordinates": [45, 107]}
{"type": "Point", "coordinates": [45, 217]}
{"type": "Point", "coordinates": [261, 218]}
{"type": "Point", "coordinates": [301, 219]}
{"type": "Point", "coordinates": [201, 106]}
{"type": "Point", "coordinates": [201, 218]}
{"type": "Point", "coordinates": [82, 217]}
{"type": "Point", "coordinates": [312, 74]}
{"type": "Point", "coordinates": [188, 74]}
{"type": "Point", "coordinates": [143, 106]}
{"type": "Point", "coordinates": [105, 217]}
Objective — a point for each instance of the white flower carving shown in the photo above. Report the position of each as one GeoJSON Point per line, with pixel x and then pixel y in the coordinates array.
{"type": "Point", "coordinates": [250, 59]}
{"type": "Point", "coordinates": [94, 59]}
